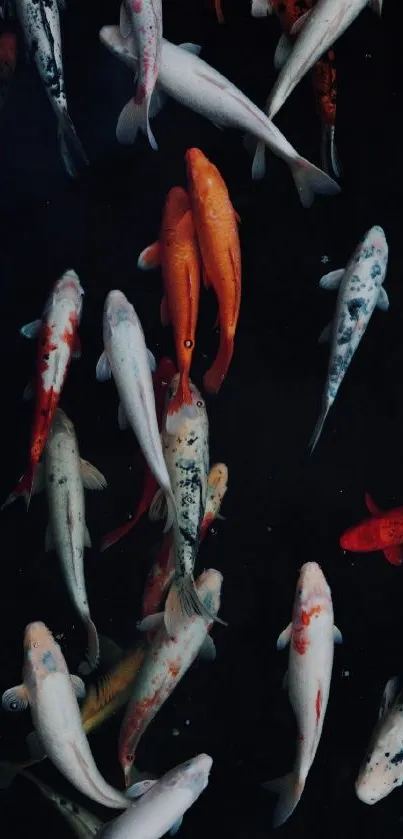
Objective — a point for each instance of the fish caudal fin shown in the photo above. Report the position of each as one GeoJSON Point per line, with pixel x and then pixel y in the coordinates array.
{"type": "Point", "coordinates": [329, 157]}
{"type": "Point", "coordinates": [71, 150]}
{"type": "Point", "coordinates": [115, 535]}
{"type": "Point", "coordinates": [310, 180]}
{"type": "Point", "coordinates": [134, 118]}
{"type": "Point", "coordinates": [24, 489]}
{"type": "Point", "coordinates": [91, 664]}
{"type": "Point", "coordinates": [290, 790]}
{"type": "Point", "coordinates": [181, 406]}
{"type": "Point", "coordinates": [183, 603]}
{"type": "Point", "coordinates": [318, 428]}
{"type": "Point", "coordinates": [215, 376]}
{"type": "Point", "coordinates": [259, 162]}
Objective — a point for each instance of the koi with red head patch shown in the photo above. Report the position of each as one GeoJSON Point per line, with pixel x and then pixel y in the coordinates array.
{"type": "Point", "coordinates": [312, 635]}
{"type": "Point", "coordinates": [8, 60]}
{"type": "Point", "coordinates": [58, 342]}
{"type": "Point", "coordinates": [217, 234]}
{"type": "Point", "coordinates": [177, 253]}
{"type": "Point", "coordinates": [382, 532]}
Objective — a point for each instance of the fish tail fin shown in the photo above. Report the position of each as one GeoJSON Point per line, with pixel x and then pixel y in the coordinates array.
{"type": "Point", "coordinates": [329, 156]}
{"type": "Point", "coordinates": [259, 162]}
{"type": "Point", "coordinates": [133, 118]}
{"type": "Point", "coordinates": [71, 150]}
{"type": "Point", "coordinates": [318, 428]}
{"type": "Point", "coordinates": [214, 377]}
{"type": "Point", "coordinates": [290, 789]}
{"type": "Point", "coordinates": [22, 490]}
{"type": "Point", "coordinates": [115, 535]}
{"type": "Point", "coordinates": [181, 406]}
{"type": "Point", "coordinates": [92, 654]}
{"type": "Point", "coordinates": [310, 180]}
{"type": "Point", "coordinates": [183, 603]}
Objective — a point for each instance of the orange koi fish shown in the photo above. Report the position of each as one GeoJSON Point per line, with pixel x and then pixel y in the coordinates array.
{"type": "Point", "coordinates": [382, 532]}
{"type": "Point", "coordinates": [177, 253]}
{"type": "Point", "coordinates": [217, 234]}
{"type": "Point", "coordinates": [113, 691]}
{"type": "Point", "coordinates": [58, 342]}
{"type": "Point", "coordinates": [161, 378]}
{"type": "Point", "coordinates": [8, 60]}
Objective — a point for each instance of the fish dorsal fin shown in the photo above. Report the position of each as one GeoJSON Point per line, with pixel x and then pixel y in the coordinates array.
{"type": "Point", "coordinates": [103, 370]}
{"type": "Point", "coordinates": [383, 300]}
{"type": "Point", "coordinates": [388, 696]}
{"type": "Point", "coordinates": [285, 637]}
{"type": "Point", "coordinates": [195, 49]}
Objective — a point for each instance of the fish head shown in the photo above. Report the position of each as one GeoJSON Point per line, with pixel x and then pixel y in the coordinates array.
{"type": "Point", "coordinates": [361, 537]}
{"type": "Point", "coordinates": [68, 287]}
{"type": "Point", "coordinates": [312, 596]}
{"type": "Point", "coordinates": [208, 585]}
{"type": "Point", "coordinates": [382, 770]}
{"type": "Point", "coordinates": [176, 205]}
{"type": "Point", "coordinates": [200, 173]}
{"type": "Point", "coordinates": [376, 238]}
{"type": "Point", "coordinates": [192, 775]}
{"type": "Point", "coordinates": [41, 654]}
{"type": "Point", "coordinates": [117, 310]}
{"type": "Point", "coordinates": [61, 424]}
{"type": "Point", "coordinates": [199, 415]}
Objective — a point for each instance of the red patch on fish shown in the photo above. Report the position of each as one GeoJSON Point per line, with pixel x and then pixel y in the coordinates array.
{"type": "Point", "coordinates": [318, 705]}
{"type": "Point", "coordinates": [174, 667]}
{"type": "Point", "coordinates": [68, 335]}
{"type": "Point", "coordinates": [300, 640]}
{"type": "Point", "coordinates": [136, 6]}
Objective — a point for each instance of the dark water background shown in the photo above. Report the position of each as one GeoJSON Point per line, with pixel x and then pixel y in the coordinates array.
{"type": "Point", "coordinates": [283, 508]}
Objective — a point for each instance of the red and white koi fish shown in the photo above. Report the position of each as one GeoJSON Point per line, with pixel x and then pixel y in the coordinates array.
{"type": "Point", "coordinates": [58, 342]}
{"type": "Point", "coordinates": [164, 665]}
{"type": "Point", "coordinates": [311, 636]}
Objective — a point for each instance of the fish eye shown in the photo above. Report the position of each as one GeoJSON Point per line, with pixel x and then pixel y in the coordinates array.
{"type": "Point", "coordinates": [35, 644]}
{"type": "Point", "coordinates": [199, 403]}
{"type": "Point", "coordinates": [14, 706]}
{"type": "Point", "coordinates": [129, 758]}
{"type": "Point", "coordinates": [188, 344]}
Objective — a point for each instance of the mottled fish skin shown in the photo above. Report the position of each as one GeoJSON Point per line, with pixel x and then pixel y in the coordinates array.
{"type": "Point", "coordinates": [146, 17]}
{"type": "Point", "coordinates": [164, 804]}
{"type": "Point", "coordinates": [165, 663]}
{"type": "Point", "coordinates": [84, 824]}
{"type": "Point", "coordinates": [41, 24]}
{"type": "Point", "coordinates": [382, 769]}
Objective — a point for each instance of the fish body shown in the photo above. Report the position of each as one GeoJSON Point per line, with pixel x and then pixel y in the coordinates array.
{"type": "Point", "coordinates": [142, 18]}
{"type": "Point", "coordinates": [8, 60]}
{"type": "Point", "coordinates": [162, 807]}
{"type": "Point", "coordinates": [126, 358]}
{"type": "Point", "coordinates": [217, 234]}
{"type": "Point", "coordinates": [382, 769]}
{"type": "Point", "coordinates": [165, 663]}
{"type": "Point", "coordinates": [178, 255]}
{"type": "Point", "coordinates": [382, 532]}
{"type": "Point", "coordinates": [311, 636]}
{"type": "Point", "coordinates": [112, 692]}
{"type": "Point", "coordinates": [48, 690]}
{"type": "Point", "coordinates": [359, 291]}
{"type": "Point", "coordinates": [84, 824]}
{"type": "Point", "coordinates": [40, 22]}
{"type": "Point", "coordinates": [196, 85]}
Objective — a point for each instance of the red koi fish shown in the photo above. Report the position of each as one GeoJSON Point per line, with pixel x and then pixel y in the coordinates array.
{"type": "Point", "coordinates": [8, 60]}
{"type": "Point", "coordinates": [382, 532]}
{"type": "Point", "coordinates": [217, 234]}
{"type": "Point", "coordinates": [177, 253]}
{"type": "Point", "coordinates": [58, 342]}
{"type": "Point", "coordinates": [161, 379]}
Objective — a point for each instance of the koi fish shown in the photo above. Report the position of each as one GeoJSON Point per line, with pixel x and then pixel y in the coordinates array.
{"type": "Point", "coordinates": [58, 343]}
{"type": "Point", "coordinates": [382, 769]}
{"type": "Point", "coordinates": [382, 532]}
{"type": "Point", "coordinates": [163, 803]}
{"type": "Point", "coordinates": [126, 358]}
{"type": "Point", "coordinates": [8, 60]}
{"type": "Point", "coordinates": [163, 570]}
{"type": "Point", "coordinates": [177, 253]}
{"type": "Point", "coordinates": [193, 83]}
{"type": "Point", "coordinates": [40, 22]}
{"type": "Point", "coordinates": [311, 636]}
{"type": "Point", "coordinates": [84, 824]}
{"type": "Point", "coordinates": [360, 290]}
{"type": "Point", "coordinates": [51, 692]}
{"type": "Point", "coordinates": [161, 378]}
{"type": "Point", "coordinates": [112, 691]}
{"type": "Point", "coordinates": [164, 665]}
{"type": "Point", "coordinates": [143, 20]}
{"type": "Point", "coordinates": [217, 234]}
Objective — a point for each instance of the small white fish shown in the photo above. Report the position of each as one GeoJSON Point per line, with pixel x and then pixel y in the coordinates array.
{"type": "Point", "coordinates": [193, 83]}
{"type": "Point", "coordinates": [382, 769]}
{"type": "Point", "coordinates": [84, 824]}
{"type": "Point", "coordinates": [163, 803]}
{"type": "Point", "coordinates": [41, 25]}
{"type": "Point", "coordinates": [311, 636]}
{"type": "Point", "coordinates": [127, 359]}
{"type": "Point", "coordinates": [49, 690]}
{"type": "Point", "coordinates": [142, 18]}
{"type": "Point", "coordinates": [360, 290]}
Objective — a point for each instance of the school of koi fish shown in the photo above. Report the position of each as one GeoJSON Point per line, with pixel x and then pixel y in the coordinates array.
{"type": "Point", "coordinates": [197, 241]}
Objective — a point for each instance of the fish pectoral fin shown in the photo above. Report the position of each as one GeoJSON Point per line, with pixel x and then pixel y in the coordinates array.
{"type": "Point", "coordinates": [394, 554]}
{"type": "Point", "coordinates": [383, 300]}
{"type": "Point", "coordinates": [151, 360]}
{"type": "Point", "coordinates": [285, 637]}
{"type": "Point", "coordinates": [79, 686]}
{"type": "Point", "coordinates": [103, 370]}
{"type": "Point", "coordinates": [183, 603]}
{"type": "Point", "coordinates": [92, 478]}
{"type": "Point", "coordinates": [87, 538]}
{"type": "Point", "coordinates": [284, 683]}
{"type": "Point", "coordinates": [371, 506]}
{"type": "Point", "coordinates": [326, 334]}
{"type": "Point", "coordinates": [157, 102]}
{"type": "Point", "coordinates": [158, 507]}
{"type": "Point", "coordinates": [207, 650]}
{"type": "Point", "coordinates": [15, 699]}
{"type": "Point", "coordinates": [151, 623]}
{"type": "Point", "coordinates": [35, 746]}
{"type": "Point", "coordinates": [150, 257]}
{"type": "Point", "coordinates": [49, 543]}
{"type": "Point", "coordinates": [77, 351]}
{"type": "Point", "coordinates": [388, 696]}
{"type": "Point", "coordinates": [299, 23]}
{"type": "Point", "coordinates": [176, 826]}
{"type": "Point", "coordinates": [337, 636]}
{"type": "Point", "coordinates": [125, 24]}
{"type": "Point", "coordinates": [140, 788]}
{"type": "Point", "coordinates": [283, 51]}
{"type": "Point", "coordinates": [30, 330]}
{"type": "Point", "coordinates": [195, 49]}
{"type": "Point", "coordinates": [331, 280]}
{"type": "Point", "coordinates": [164, 311]}
{"type": "Point", "coordinates": [29, 391]}
{"type": "Point", "coordinates": [123, 422]}
{"type": "Point", "coordinates": [376, 6]}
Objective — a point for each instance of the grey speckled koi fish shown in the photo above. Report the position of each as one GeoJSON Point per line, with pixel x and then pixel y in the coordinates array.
{"type": "Point", "coordinates": [382, 770]}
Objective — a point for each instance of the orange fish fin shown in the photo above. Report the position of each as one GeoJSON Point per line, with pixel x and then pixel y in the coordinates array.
{"type": "Point", "coordinates": [150, 257]}
{"type": "Point", "coordinates": [181, 406]}
{"type": "Point", "coordinates": [206, 281]}
{"type": "Point", "coordinates": [214, 377]}
{"type": "Point", "coordinates": [372, 507]}
{"type": "Point", "coordinates": [237, 216]}
{"type": "Point", "coordinates": [219, 12]}
{"type": "Point", "coordinates": [394, 554]}
{"type": "Point", "coordinates": [164, 312]}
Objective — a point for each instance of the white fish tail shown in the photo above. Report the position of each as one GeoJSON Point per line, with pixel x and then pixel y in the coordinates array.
{"type": "Point", "coordinates": [329, 156]}
{"type": "Point", "coordinates": [290, 789]}
{"type": "Point", "coordinates": [310, 180]}
{"type": "Point", "coordinates": [92, 654]}
{"type": "Point", "coordinates": [183, 603]}
{"type": "Point", "coordinates": [134, 118]}
{"type": "Point", "coordinates": [318, 427]}
{"type": "Point", "coordinates": [259, 162]}
{"type": "Point", "coordinates": [71, 150]}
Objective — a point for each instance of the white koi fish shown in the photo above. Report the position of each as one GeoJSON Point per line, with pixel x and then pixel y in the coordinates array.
{"type": "Point", "coordinates": [40, 22]}
{"type": "Point", "coordinates": [50, 692]}
{"type": "Point", "coordinates": [382, 770]}
{"type": "Point", "coordinates": [84, 824]}
{"type": "Point", "coordinates": [311, 636]}
{"type": "Point", "coordinates": [127, 359]}
{"type": "Point", "coordinates": [142, 18]}
{"type": "Point", "coordinates": [193, 83]}
{"type": "Point", "coordinates": [165, 663]}
{"type": "Point", "coordinates": [163, 803]}
{"type": "Point", "coordinates": [360, 290]}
